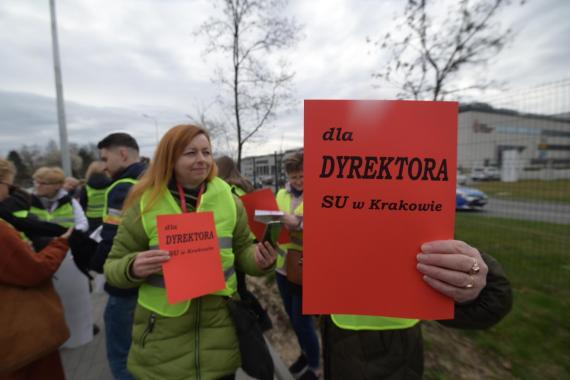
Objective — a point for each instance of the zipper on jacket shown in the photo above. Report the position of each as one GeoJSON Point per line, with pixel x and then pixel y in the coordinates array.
{"type": "Point", "coordinates": [149, 328]}
{"type": "Point", "coordinates": [197, 335]}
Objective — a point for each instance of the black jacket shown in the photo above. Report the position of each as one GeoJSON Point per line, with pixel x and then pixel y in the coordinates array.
{"type": "Point", "coordinates": [398, 354]}
{"type": "Point", "coordinates": [41, 233]}
{"type": "Point", "coordinates": [115, 200]}
{"type": "Point", "coordinates": [35, 229]}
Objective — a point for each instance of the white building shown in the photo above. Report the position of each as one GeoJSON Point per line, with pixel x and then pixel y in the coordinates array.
{"type": "Point", "coordinates": [265, 170]}
{"type": "Point", "coordinates": [542, 142]}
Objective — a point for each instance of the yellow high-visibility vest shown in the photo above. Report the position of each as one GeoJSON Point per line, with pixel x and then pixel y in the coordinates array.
{"type": "Point", "coordinates": [217, 198]}
{"type": "Point", "coordinates": [110, 215]}
{"type": "Point", "coordinates": [62, 215]}
{"type": "Point", "coordinates": [95, 202]}
{"type": "Point", "coordinates": [371, 322]}
{"type": "Point", "coordinates": [284, 200]}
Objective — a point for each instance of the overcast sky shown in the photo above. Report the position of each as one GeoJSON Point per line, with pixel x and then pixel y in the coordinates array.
{"type": "Point", "coordinates": [124, 58]}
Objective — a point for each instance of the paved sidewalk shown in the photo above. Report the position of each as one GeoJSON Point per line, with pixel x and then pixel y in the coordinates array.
{"type": "Point", "coordinates": [89, 362]}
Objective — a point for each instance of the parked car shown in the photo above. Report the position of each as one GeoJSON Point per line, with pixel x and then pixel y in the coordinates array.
{"type": "Point", "coordinates": [485, 173]}
{"type": "Point", "coordinates": [468, 198]}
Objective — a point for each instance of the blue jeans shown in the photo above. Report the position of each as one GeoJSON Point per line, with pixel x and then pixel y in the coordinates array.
{"type": "Point", "coordinates": [119, 315]}
{"type": "Point", "coordinates": [303, 325]}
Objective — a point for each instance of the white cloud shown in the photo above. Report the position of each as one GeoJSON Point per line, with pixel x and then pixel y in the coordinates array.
{"type": "Point", "coordinates": [124, 58]}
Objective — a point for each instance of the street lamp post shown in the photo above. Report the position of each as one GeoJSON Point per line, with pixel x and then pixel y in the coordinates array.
{"type": "Point", "coordinates": [63, 146]}
{"type": "Point", "coordinates": [155, 124]}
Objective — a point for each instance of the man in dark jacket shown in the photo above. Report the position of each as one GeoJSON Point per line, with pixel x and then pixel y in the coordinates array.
{"type": "Point", "coordinates": [120, 153]}
{"type": "Point", "coordinates": [482, 297]}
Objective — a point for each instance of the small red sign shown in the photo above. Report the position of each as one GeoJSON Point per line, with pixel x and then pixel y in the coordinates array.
{"type": "Point", "coordinates": [195, 265]}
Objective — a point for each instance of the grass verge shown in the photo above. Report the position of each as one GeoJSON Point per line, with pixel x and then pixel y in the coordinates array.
{"type": "Point", "coordinates": [550, 191]}
{"type": "Point", "coordinates": [534, 338]}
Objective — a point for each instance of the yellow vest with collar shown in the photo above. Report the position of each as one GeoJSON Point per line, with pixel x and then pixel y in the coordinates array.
{"type": "Point", "coordinates": [62, 215]}
{"type": "Point", "coordinates": [218, 199]}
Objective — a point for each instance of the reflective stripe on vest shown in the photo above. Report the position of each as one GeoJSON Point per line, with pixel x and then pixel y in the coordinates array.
{"type": "Point", "coordinates": [95, 202]}
{"type": "Point", "coordinates": [111, 215]}
{"type": "Point", "coordinates": [62, 215]}
{"type": "Point", "coordinates": [217, 198]}
{"type": "Point", "coordinates": [370, 322]}
{"type": "Point", "coordinates": [284, 200]}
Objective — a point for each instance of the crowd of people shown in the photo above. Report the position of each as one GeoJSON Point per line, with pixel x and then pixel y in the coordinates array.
{"type": "Point", "coordinates": [109, 226]}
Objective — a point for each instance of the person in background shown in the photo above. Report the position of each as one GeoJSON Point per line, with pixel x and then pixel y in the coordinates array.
{"type": "Point", "coordinates": [228, 171]}
{"type": "Point", "coordinates": [92, 196]}
{"type": "Point", "coordinates": [51, 203]}
{"type": "Point", "coordinates": [192, 339]}
{"type": "Point", "coordinates": [72, 185]}
{"type": "Point", "coordinates": [290, 201]}
{"type": "Point", "coordinates": [120, 155]}
{"type": "Point", "coordinates": [364, 347]}
{"type": "Point", "coordinates": [16, 210]}
{"type": "Point", "coordinates": [24, 273]}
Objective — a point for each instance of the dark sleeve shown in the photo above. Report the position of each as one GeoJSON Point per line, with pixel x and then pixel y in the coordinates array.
{"type": "Point", "coordinates": [116, 199]}
{"type": "Point", "coordinates": [83, 199]}
{"type": "Point", "coordinates": [32, 227]}
{"type": "Point", "coordinates": [20, 266]}
{"type": "Point", "coordinates": [494, 301]}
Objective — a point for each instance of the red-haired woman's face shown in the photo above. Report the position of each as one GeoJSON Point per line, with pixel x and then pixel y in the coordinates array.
{"type": "Point", "coordinates": [194, 165]}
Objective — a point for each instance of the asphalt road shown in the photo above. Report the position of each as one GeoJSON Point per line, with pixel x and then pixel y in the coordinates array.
{"type": "Point", "coordinates": [528, 210]}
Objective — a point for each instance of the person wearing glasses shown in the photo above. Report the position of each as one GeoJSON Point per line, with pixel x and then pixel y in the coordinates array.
{"type": "Point", "coordinates": [52, 203]}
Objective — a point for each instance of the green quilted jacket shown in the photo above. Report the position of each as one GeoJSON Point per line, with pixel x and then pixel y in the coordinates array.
{"type": "Point", "coordinates": [202, 343]}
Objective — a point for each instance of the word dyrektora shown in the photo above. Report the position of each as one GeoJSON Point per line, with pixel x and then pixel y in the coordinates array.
{"type": "Point", "coordinates": [189, 237]}
{"type": "Point", "coordinates": [384, 168]}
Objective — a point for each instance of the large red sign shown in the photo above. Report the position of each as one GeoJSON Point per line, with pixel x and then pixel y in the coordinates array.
{"type": "Point", "coordinates": [379, 182]}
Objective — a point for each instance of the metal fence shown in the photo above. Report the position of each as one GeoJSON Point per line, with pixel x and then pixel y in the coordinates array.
{"type": "Point", "coordinates": [515, 149]}
{"type": "Point", "coordinates": [513, 195]}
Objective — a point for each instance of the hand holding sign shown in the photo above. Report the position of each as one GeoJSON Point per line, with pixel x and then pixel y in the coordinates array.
{"type": "Point", "coordinates": [265, 255]}
{"type": "Point", "coordinates": [291, 222]}
{"type": "Point", "coordinates": [453, 268]}
{"type": "Point", "coordinates": [149, 262]}
{"type": "Point", "coordinates": [380, 181]}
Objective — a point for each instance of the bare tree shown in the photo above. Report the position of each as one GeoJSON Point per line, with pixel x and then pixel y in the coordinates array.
{"type": "Point", "coordinates": [247, 32]}
{"type": "Point", "coordinates": [216, 126]}
{"type": "Point", "coordinates": [427, 54]}
{"type": "Point", "coordinates": [35, 156]}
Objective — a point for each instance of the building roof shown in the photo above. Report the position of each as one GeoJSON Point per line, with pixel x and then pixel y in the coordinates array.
{"type": "Point", "coordinates": [487, 108]}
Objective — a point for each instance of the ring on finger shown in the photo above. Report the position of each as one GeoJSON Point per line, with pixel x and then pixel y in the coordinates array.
{"type": "Point", "coordinates": [475, 268]}
{"type": "Point", "coordinates": [469, 285]}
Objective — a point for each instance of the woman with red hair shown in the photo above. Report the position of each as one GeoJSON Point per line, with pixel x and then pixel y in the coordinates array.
{"type": "Point", "coordinates": [197, 338]}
